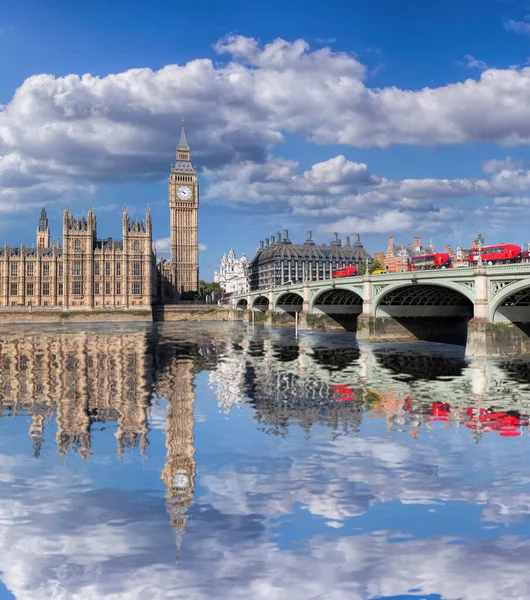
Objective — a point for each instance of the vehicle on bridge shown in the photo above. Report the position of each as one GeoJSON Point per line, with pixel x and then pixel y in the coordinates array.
{"type": "Point", "coordinates": [380, 272]}
{"type": "Point", "coordinates": [497, 255]}
{"type": "Point", "coordinates": [422, 262]}
{"type": "Point", "coordinates": [345, 272]}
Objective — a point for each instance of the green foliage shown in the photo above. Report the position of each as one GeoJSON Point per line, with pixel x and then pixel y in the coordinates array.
{"type": "Point", "coordinates": [209, 288]}
{"type": "Point", "coordinates": [189, 296]}
{"type": "Point", "coordinates": [375, 265]}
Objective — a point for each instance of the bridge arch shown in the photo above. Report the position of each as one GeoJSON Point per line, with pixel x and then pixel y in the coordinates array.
{"type": "Point", "coordinates": [289, 302]}
{"type": "Point", "coordinates": [242, 304]}
{"type": "Point", "coordinates": [424, 300]}
{"type": "Point", "coordinates": [425, 311]}
{"type": "Point", "coordinates": [337, 301]}
{"type": "Point", "coordinates": [260, 303]}
{"type": "Point", "coordinates": [512, 304]}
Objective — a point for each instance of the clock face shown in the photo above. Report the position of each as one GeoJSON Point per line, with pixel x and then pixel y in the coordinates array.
{"type": "Point", "coordinates": [181, 480]}
{"type": "Point", "coordinates": [184, 192]}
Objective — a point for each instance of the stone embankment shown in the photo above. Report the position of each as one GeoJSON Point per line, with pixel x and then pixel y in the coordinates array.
{"type": "Point", "coordinates": [197, 312]}
{"type": "Point", "coordinates": [11, 315]}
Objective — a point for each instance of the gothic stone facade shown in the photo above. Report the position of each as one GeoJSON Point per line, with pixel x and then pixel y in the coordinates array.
{"type": "Point", "coordinates": [87, 273]}
{"type": "Point", "coordinates": [181, 273]}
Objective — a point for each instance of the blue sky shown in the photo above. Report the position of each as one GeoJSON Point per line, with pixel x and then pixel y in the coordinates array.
{"type": "Point", "coordinates": [379, 118]}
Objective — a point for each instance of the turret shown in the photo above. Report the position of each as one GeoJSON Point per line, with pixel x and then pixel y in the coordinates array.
{"type": "Point", "coordinates": [91, 221]}
{"type": "Point", "coordinates": [43, 231]}
{"type": "Point", "coordinates": [148, 223]}
{"type": "Point", "coordinates": [125, 222]}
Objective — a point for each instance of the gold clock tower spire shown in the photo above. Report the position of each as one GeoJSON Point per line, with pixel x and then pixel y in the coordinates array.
{"type": "Point", "coordinates": [183, 195]}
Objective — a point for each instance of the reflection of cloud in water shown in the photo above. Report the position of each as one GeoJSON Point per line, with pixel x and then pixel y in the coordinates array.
{"type": "Point", "coordinates": [112, 544]}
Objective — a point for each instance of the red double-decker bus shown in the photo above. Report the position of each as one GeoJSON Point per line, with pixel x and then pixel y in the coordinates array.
{"type": "Point", "coordinates": [345, 272]}
{"type": "Point", "coordinates": [496, 255]}
{"type": "Point", "coordinates": [439, 260]}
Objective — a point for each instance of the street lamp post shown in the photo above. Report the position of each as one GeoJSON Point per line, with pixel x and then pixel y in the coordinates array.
{"type": "Point", "coordinates": [480, 243]}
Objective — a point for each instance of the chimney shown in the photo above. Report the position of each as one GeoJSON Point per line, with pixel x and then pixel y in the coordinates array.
{"type": "Point", "coordinates": [417, 243]}
{"type": "Point", "coordinates": [266, 242]}
{"type": "Point", "coordinates": [309, 241]}
{"type": "Point", "coordinates": [348, 240]}
{"type": "Point", "coordinates": [336, 241]}
{"type": "Point", "coordinates": [278, 237]}
{"type": "Point", "coordinates": [261, 244]}
{"type": "Point", "coordinates": [358, 239]}
{"type": "Point", "coordinates": [390, 241]}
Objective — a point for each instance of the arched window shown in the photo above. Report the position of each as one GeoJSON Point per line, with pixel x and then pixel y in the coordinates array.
{"type": "Point", "coordinates": [77, 245]}
{"type": "Point", "coordinates": [136, 246]}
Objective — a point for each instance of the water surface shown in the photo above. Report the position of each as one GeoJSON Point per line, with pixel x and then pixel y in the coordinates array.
{"type": "Point", "coordinates": [218, 461]}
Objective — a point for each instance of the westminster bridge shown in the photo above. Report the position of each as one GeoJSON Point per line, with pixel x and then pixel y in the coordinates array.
{"type": "Point", "coordinates": [486, 307]}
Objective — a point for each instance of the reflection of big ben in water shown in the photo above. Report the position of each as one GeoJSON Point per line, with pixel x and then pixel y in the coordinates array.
{"type": "Point", "coordinates": [179, 470]}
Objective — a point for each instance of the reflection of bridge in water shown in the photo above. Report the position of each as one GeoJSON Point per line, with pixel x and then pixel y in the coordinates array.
{"type": "Point", "coordinates": [318, 381]}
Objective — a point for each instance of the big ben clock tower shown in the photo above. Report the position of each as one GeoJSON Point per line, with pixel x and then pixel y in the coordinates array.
{"type": "Point", "coordinates": [183, 207]}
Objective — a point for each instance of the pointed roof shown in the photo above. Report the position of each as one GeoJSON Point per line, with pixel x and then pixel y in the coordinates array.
{"type": "Point", "coordinates": [183, 142]}
{"type": "Point", "coordinates": [43, 221]}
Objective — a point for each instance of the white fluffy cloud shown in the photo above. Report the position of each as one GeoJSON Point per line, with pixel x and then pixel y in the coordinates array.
{"type": "Point", "coordinates": [124, 126]}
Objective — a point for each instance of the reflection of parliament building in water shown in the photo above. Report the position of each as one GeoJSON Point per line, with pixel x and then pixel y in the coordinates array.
{"type": "Point", "coordinates": [87, 378]}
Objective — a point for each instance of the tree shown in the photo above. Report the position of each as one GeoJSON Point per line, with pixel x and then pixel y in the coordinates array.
{"type": "Point", "coordinates": [375, 265]}
{"type": "Point", "coordinates": [207, 288]}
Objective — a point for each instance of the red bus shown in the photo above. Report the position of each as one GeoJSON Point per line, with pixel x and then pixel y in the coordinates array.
{"type": "Point", "coordinates": [345, 272]}
{"type": "Point", "coordinates": [439, 260]}
{"type": "Point", "coordinates": [501, 254]}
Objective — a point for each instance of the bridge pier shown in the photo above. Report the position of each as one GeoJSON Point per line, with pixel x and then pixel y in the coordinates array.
{"type": "Point", "coordinates": [497, 340]}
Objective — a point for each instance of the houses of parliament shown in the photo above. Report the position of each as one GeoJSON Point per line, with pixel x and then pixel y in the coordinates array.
{"type": "Point", "coordinates": [87, 273]}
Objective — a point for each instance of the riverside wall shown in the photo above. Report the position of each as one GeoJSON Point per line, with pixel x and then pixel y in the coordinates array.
{"type": "Point", "coordinates": [183, 312]}
{"type": "Point", "coordinates": [13, 316]}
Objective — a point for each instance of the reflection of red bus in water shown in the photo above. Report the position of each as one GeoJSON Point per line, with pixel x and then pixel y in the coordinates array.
{"type": "Point", "coordinates": [434, 411]}
{"type": "Point", "coordinates": [439, 260]}
{"type": "Point", "coordinates": [342, 393]}
{"type": "Point", "coordinates": [501, 254]}
{"type": "Point", "coordinates": [505, 423]}
{"type": "Point", "coordinates": [345, 272]}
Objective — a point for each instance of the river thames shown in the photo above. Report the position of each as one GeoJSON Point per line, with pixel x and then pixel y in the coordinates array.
{"type": "Point", "coordinates": [221, 461]}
